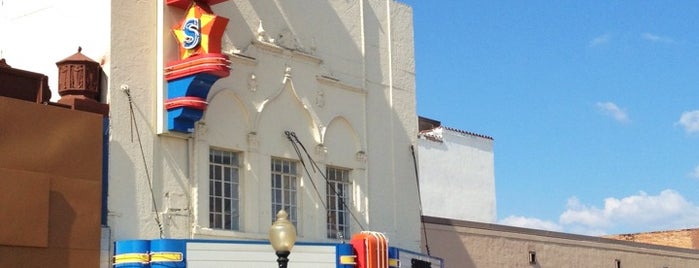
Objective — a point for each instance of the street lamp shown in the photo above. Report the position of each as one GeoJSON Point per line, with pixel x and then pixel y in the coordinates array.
{"type": "Point", "coordinates": [282, 236]}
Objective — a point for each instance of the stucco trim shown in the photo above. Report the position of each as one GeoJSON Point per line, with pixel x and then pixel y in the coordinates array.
{"type": "Point", "coordinates": [242, 59]}
{"type": "Point", "coordinates": [269, 47]}
{"type": "Point", "coordinates": [334, 82]}
{"type": "Point", "coordinates": [305, 56]}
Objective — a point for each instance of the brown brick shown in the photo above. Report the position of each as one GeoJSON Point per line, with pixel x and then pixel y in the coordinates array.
{"type": "Point", "coordinates": [686, 238]}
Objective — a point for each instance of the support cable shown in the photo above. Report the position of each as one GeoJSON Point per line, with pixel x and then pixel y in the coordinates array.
{"type": "Point", "coordinates": [334, 191]}
{"type": "Point", "coordinates": [419, 199]}
{"type": "Point", "coordinates": [295, 142]}
{"type": "Point", "coordinates": [143, 156]}
{"type": "Point", "coordinates": [298, 153]}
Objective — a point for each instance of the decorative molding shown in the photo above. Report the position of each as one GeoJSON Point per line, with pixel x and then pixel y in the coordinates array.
{"type": "Point", "coordinates": [287, 74]}
{"type": "Point", "coordinates": [320, 98]}
{"type": "Point", "coordinates": [361, 156]}
{"type": "Point", "coordinates": [297, 54]}
{"type": "Point", "coordinates": [252, 82]}
{"type": "Point", "coordinates": [321, 151]}
{"type": "Point", "coordinates": [200, 129]}
{"type": "Point", "coordinates": [253, 142]}
{"type": "Point", "coordinates": [305, 56]}
{"type": "Point", "coordinates": [262, 34]}
{"type": "Point", "coordinates": [334, 82]}
{"type": "Point", "coordinates": [237, 57]}
{"type": "Point", "coordinates": [468, 133]}
{"type": "Point", "coordinates": [267, 46]}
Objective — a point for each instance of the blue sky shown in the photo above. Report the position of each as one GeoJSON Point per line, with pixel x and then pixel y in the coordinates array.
{"type": "Point", "coordinates": [593, 105]}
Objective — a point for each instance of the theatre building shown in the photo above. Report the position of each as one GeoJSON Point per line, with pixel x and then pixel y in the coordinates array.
{"type": "Point", "coordinates": [222, 113]}
{"type": "Point", "coordinates": [198, 133]}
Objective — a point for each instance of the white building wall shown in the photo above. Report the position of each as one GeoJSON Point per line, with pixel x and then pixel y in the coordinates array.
{"type": "Point", "coordinates": [133, 57]}
{"type": "Point", "coordinates": [457, 176]}
{"type": "Point", "coordinates": [340, 74]}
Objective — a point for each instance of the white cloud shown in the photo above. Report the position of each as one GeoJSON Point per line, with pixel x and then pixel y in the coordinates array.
{"type": "Point", "coordinates": [656, 38]}
{"type": "Point", "coordinates": [695, 173]}
{"type": "Point", "coordinates": [578, 213]}
{"type": "Point", "coordinates": [531, 223]}
{"type": "Point", "coordinates": [600, 40]}
{"type": "Point", "coordinates": [667, 210]}
{"type": "Point", "coordinates": [690, 121]}
{"type": "Point", "coordinates": [611, 109]}
{"type": "Point", "coordinates": [636, 213]}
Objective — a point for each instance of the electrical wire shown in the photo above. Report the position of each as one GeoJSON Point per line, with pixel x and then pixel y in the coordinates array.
{"type": "Point", "coordinates": [145, 164]}
{"type": "Point", "coordinates": [419, 199]}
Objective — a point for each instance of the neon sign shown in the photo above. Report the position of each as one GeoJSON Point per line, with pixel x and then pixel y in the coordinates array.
{"type": "Point", "coordinates": [200, 63]}
{"type": "Point", "coordinates": [191, 32]}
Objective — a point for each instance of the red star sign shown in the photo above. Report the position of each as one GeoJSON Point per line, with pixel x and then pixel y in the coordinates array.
{"type": "Point", "coordinates": [200, 31]}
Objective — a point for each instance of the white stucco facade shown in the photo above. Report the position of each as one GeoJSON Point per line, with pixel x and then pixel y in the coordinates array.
{"type": "Point", "coordinates": [340, 74]}
{"type": "Point", "coordinates": [457, 175]}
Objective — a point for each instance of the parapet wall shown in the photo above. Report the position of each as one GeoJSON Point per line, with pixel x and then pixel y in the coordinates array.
{"type": "Point", "coordinates": [51, 178]}
{"type": "Point", "coordinates": [687, 238]}
{"type": "Point", "coordinates": [471, 244]}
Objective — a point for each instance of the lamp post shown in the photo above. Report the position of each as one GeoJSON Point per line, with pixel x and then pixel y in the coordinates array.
{"type": "Point", "coordinates": [282, 236]}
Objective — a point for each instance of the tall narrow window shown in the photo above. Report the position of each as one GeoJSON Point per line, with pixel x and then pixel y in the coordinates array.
{"type": "Point", "coordinates": [224, 200]}
{"type": "Point", "coordinates": [284, 181]}
{"type": "Point", "coordinates": [337, 199]}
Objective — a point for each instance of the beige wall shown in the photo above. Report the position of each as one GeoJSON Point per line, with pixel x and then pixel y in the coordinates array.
{"type": "Point", "coordinates": [465, 244]}
{"type": "Point", "coordinates": [51, 178]}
